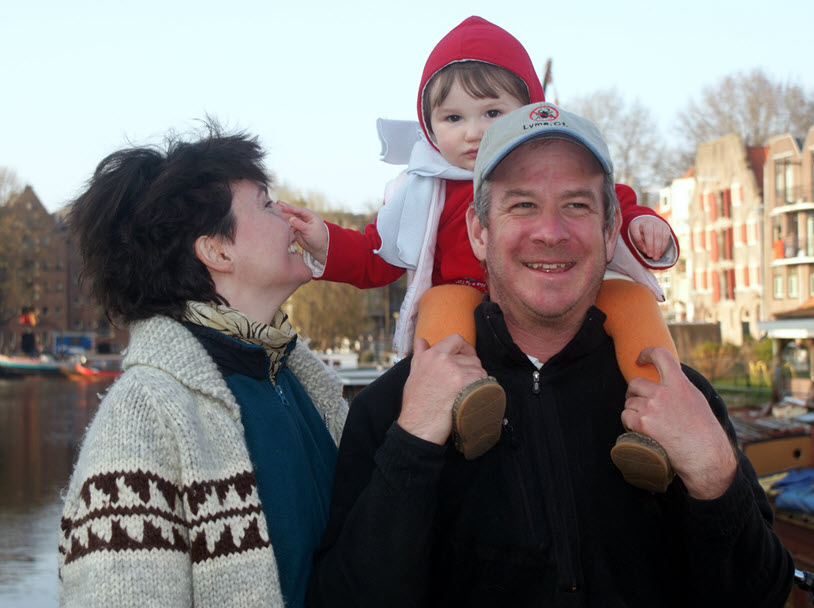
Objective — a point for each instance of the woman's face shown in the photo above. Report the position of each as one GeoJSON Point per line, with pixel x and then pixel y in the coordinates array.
{"type": "Point", "coordinates": [267, 265]}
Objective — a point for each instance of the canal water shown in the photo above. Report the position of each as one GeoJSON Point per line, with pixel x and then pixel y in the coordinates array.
{"type": "Point", "coordinates": [42, 423]}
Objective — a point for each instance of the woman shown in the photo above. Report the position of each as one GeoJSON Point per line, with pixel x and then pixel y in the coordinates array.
{"type": "Point", "coordinates": [205, 477]}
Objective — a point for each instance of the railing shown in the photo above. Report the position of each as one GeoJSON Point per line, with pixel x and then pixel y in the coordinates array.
{"type": "Point", "coordinates": [793, 194]}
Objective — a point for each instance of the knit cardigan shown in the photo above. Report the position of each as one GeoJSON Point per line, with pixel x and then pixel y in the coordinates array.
{"type": "Point", "coordinates": [162, 508]}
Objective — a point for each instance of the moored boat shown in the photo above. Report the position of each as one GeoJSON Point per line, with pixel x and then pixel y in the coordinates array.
{"type": "Point", "coordinates": [13, 366]}
{"type": "Point", "coordinates": [97, 367]}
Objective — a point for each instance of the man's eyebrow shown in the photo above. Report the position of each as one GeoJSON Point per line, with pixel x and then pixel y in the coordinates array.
{"type": "Point", "coordinates": [517, 193]}
{"type": "Point", "coordinates": [580, 193]}
{"type": "Point", "coordinates": [576, 193]}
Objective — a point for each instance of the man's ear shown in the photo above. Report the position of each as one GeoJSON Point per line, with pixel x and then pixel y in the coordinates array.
{"type": "Point", "coordinates": [612, 236]}
{"type": "Point", "coordinates": [212, 252]}
{"type": "Point", "coordinates": [478, 235]}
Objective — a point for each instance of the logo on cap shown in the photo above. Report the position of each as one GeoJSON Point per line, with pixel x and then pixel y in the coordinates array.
{"type": "Point", "coordinates": [543, 113]}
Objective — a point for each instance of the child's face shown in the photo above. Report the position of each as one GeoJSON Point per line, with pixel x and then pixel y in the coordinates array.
{"type": "Point", "coordinates": [459, 122]}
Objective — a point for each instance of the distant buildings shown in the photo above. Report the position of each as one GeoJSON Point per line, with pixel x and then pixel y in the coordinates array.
{"type": "Point", "coordinates": [789, 247]}
{"type": "Point", "coordinates": [744, 217]}
{"type": "Point", "coordinates": [725, 237]}
{"type": "Point", "coordinates": [674, 206]}
{"type": "Point", "coordinates": [41, 301]}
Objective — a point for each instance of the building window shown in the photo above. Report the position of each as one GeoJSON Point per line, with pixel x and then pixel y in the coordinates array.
{"type": "Point", "coordinates": [730, 283]}
{"type": "Point", "coordinates": [713, 245]}
{"type": "Point", "coordinates": [737, 195]}
{"type": "Point", "coordinates": [793, 285]}
{"type": "Point", "coordinates": [811, 284]}
{"type": "Point", "coordinates": [778, 286]}
{"type": "Point", "coordinates": [57, 286]}
{"type": "Point", "coordinates": [712, 207]}
{"type": "Point", "coordinates": [792, 239]}
{"type": "Point", "coordinates": [783, 180]}
{"type": "Point", "coordinates": [810, 234]}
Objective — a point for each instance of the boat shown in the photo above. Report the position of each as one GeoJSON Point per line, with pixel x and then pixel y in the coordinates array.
{"type": "Point", "coordinates": [778, 440]}
{"type": "Point", "coordinates": [14, 366]}
{"type": "Point", "coordinates": [94, 367]}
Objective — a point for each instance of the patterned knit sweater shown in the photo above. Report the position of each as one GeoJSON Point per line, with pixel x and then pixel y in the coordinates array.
{"type": "Point", "coordinates": [162, 508]}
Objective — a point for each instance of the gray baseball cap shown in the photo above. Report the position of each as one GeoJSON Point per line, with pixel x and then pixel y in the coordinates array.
{"type": "Point", "coordinates": [537, 121]}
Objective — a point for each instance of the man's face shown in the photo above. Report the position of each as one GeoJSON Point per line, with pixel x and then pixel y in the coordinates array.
{"type": "Point", "coordinates": [545, 248]}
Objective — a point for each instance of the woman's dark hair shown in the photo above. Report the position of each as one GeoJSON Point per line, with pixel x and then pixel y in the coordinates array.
{"type": "Point", "coordinates": [138, 219]}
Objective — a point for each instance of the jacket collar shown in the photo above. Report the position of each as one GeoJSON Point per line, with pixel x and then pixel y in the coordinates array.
{"type": "Point", "coordinates": [497, 349]}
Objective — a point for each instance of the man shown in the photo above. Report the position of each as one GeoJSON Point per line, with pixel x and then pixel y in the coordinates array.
{"type": "Point", "coordinates": [544, 518]}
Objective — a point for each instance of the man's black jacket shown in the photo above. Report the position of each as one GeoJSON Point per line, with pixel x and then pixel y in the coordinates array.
{"type": "Point", "coordinates": [544, 518]}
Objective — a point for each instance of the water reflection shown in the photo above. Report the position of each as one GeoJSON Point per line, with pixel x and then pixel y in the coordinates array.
{"type": "Point", "coordinates": [42, 423]}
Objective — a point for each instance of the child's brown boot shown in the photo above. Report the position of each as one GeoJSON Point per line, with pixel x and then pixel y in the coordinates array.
{"type": "Point", "coordinates": [477, 417]}
{"type": "Point", "coordinates": [643, 462]}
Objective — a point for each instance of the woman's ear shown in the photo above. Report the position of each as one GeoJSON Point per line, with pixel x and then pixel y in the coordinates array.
{"type": "Point", "coordinates": [211, 251]}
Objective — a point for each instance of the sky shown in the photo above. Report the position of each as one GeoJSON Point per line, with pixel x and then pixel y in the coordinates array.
{"type": "Point", "coordinates": [82, 79]}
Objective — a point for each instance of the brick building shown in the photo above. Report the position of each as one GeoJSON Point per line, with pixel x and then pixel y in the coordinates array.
{"type": "Point", "coordinates": [726, 229]}
{"type": "Point", "coordinates": [39, 272]}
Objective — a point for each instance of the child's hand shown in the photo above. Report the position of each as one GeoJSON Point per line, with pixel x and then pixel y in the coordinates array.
{"type": "Point", "coordinates": [309, 230]}
{"type": "Point", "coordinates": [650, 235]}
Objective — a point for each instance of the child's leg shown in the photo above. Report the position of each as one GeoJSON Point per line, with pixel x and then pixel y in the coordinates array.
{"type": "Point", "coordinates": [477, 414]}
{"type": "Point", "coordinates": [445, 310]}
{"type": "Point", "coordinates": [634, 322]}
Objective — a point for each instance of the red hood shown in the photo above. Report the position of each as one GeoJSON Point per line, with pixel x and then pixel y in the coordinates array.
{"type": "Point", "coordinates": [476, 39]}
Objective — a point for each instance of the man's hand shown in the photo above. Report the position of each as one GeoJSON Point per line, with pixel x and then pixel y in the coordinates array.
{"type": "Point", "coordinates": [309, 230]}
{"type": "Point", "coordinates": [651, 236]}
{"type": "Point", "coordinates": [676, 414]}
{"type": "Point", "coordinates": [437, 374]}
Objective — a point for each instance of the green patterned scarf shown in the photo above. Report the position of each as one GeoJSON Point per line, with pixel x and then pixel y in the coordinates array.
{"type": "Point", "coordinates": [273, 338]}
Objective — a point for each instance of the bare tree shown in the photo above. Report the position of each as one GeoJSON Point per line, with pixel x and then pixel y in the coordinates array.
{"type": "Point", "coordinates": [9, 244]}
{"type": "Point", "coordinates": [633, 137]}
{"type": "Point", "coordinates": [329, 313]}
{"type": "Point", "coordinates": [751, 104]}
{"type": "Point", "coordinates": [9, 185]}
